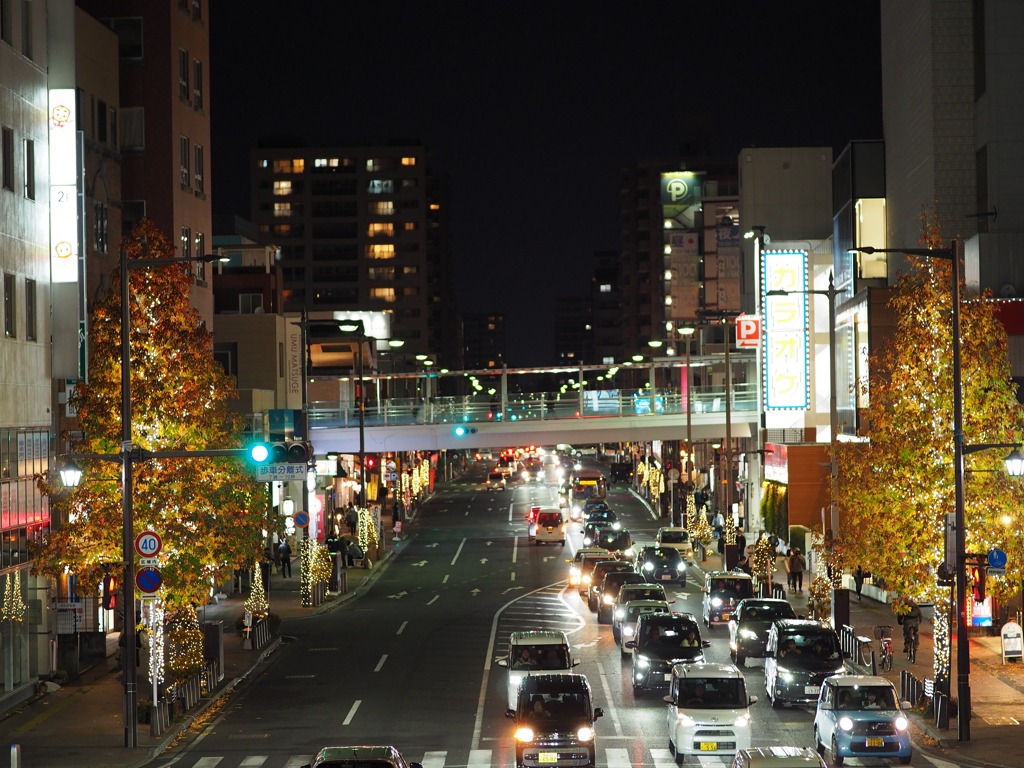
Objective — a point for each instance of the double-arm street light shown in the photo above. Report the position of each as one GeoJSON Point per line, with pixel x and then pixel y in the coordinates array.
{"type": "Point", "coordinates": [356, 326]}
{"type": "Point", "coordinates": [960, 449]}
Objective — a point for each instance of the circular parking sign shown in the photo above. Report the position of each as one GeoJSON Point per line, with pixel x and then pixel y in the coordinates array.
{"type": "Point", "coordinates": [148, 580]}
{"type": "Point", "coordinates": [301, 519]}
{"type": "Point", "coordinates": [148, 544]}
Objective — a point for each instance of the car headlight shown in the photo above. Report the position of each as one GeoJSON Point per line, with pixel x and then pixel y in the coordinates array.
{"type": "Point", "coordinates": [628, 552]}
{"type": "Point", "coordinates": [619, 613]}
{"type": "Point", "coordinates": [585, 579]}
{"type": "Point", "coordinates": [587, 542]}
{"type": "Point", "coordinates": [616, 526]}
{"type": "Point", "coordinates": [627, 631]}
{"type": "Point", "coordinates": [648, 566]}
{"type": "Point", "coordinates": [846, 723]}
{"type": "Point", "coordinates": [786, 675]}
{"type": "Point", "coordinates": [586, 733]}
{"type": "Point", "coordinates": [748, 634]}
{"type": "Point", "coordinates": [716, 602]}
{"type": "Point", "coordinates": [643, 662]}
{"type": "Point", "coordinates": [608, 600]}
{"type": "Point", "coordinates": [574, 571]}
{"type": "Point", "coordinates": [901, 723]}
{"type": "Point", "coordinates": [526, 475]}
{"type": "Point", "coordinates": [685, 720]}
{"type": "Point", "coordinates": [524, 734]}
{"type": "Point", "coordinates": [742, 720]}
{"type": "Point", "coordinates": [515, 678]}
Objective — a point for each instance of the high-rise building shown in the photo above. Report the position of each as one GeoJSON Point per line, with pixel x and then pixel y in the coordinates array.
{"type": "Point", "coordinates": [574, 330]}
{"type": "Point", "coordinates": [363, 228]}
{"type": "Point", "coordinates": [483, 340]}
{"type": "Point", "coordinates": [606, 300]}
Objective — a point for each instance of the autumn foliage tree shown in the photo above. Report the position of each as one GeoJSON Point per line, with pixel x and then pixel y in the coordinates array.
{"type": "Point", "coordinates": [209, 511]}
{"type": "Point", "coordinates": [895, 489]}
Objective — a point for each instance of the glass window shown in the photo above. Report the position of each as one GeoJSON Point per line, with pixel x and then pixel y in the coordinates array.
{"type": "Point", "coordinates": [605, 288]}
{"type": "Point", "coordinates": [5, 21]}
{"type": "Point", "coordinates": [295, 165]}
{"type": "Point", "coordinates": [380, 251]}
{"type": "Point", "coordinates": [282, 187]}
{"type": "Point", "coordinates": [378, 228]}
{"type": "Point", "coordinates": [186, 176]}
{"type": "Point", "coordinates": [133, 128]}
{"type": "Point", "coordinates": [326, 162]}
{"type": "Point", "coordinates": [200, 251]}
{"type": "Point", "coordinates": [408, 183]}
{"type": "Point", "coordinates": [30, 169]}
{"type": "Point", "coordinates": [186, 242]}
{"type": "Point", "coordinates": [197, 84]}
{"type": "Point", "coordinates": [383, 294]}
{"type": "Point", "coordinates": [408, 161]}
{"type": "Point", "coordinates": [197, 10]}
{"type": "Point", "coordinates": [383, 208]}
{"type": "Point", "coordinates": [183, 87]}
{"type": "Point", "coordinates": [30, 310]}
{"type": "Point", "coordinates": [282, 209]}
{"type": "Point", "coordinates": [380, 187]}
{"type": "Point", "coordinates": [200, 184]}
{"type": "Point", "coordinates": [26, 29]}
{"type": "Point", "coordinates": [381, 273]}
{"type": "Point", "coordinates": [100, 227]}
{"type": "Point", "coordinates": [7, 158]}
{"type": "Point", "coordinates": [10, 327]}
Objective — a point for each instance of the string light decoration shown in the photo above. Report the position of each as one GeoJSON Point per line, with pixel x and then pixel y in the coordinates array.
{"type": "Point", "coordinates": [13, 607]}
{"type": "Point", "coordinates": [641, 473]}
{"type": "Point", "coordinates": [689, 512]}
{"type": "Point", "coordinates": [321, 564]}
{"type": "Point", "coordinates": [256, 603]}
{"type": "Point", "coordinates": [942, 663]}
{"type": "Point", "coordinates": [656, 481]}
{"type": "Point", "coordinates": [366, 532]}
{"type": "Point", "coordinates": [700, 528]}
{"type": "Point", "coordinates": [763, 560]}
{"type": "Point", "coordinates": [819, 599]}
{"type": "Point", "coordinates": [729, 530]}
{"type": "Point", "coordinates": [184, 645]}
{"type": "Point", "coordinates": [153, 620]}
{"type": "Point", "coordinates": [305, 573]}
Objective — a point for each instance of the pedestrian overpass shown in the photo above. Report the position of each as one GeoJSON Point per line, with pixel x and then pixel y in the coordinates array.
{"type": "Point", "coordinates": [599, 416]}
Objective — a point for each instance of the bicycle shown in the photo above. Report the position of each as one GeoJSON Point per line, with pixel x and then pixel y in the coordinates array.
{"type": "Point", "coordinates": [883, 633]}
{"type": "Point", "coordinates": [910, 642]}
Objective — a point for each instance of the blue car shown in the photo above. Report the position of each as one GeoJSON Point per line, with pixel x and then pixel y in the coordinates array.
{"type": "Point", "coordinates": [861, 716]}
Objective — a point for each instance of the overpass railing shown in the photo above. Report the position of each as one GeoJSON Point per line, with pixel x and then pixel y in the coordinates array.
{"type": "Point", "coordinates": [528, 407]}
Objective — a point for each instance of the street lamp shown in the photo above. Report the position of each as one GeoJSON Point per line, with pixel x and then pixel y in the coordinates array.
{"type": "Point", "coordinates": [356, 326]}
{"type": "Point", "coordinates": [840, 613]}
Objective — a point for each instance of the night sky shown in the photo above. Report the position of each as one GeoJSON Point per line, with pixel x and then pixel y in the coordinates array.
{"type": "Point", "coordinates": [534, 108]}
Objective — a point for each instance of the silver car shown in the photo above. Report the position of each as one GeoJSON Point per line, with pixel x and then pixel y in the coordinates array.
{"type": "Point", "coordinates": [359, 757]}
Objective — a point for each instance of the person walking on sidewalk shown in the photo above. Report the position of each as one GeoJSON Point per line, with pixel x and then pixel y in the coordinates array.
{"type": "Point", "coordinates": [352, 518]}
{"type": "Point", "coordinates": [858, 580]}
{"type": "Point", "coordinates": [285, 552]}
{"type": "Point", "coordinates": [789, 573]}
{"type": "Point", "coordinates": [741, 543]}
{"type": "Point", "coordinates": [796, 569]}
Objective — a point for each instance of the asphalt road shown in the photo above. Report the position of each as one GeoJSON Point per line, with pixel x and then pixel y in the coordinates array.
{"type": "Point", "coordinates": [411, 662]}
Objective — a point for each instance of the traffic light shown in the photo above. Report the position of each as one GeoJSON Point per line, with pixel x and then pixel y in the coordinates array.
{"type": "Point", "coordinates": [461, 431]}
{"type": "Point", "coordinates": [371, 462]}
{"type": "Point", "coordinates": [977, 576]}
{"type": "Point", "coordinates": [293, 452]}
{"type": "Point", "coordinates": [109, 593]}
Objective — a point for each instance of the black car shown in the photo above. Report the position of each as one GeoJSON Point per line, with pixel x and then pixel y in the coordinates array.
{"type": "Point", "coordinates": [594, 505]}
{"type": "Point", "coordinates": [554, 719]}
{"type": "Point", "coordinates": [609, 591]}
{"type": "Point", "coordinates": [661, 641]}
{"type": "Point", "coordinates": [798, 658]}
{"type": "Point", "coordinates": [619, 542]}
{"type": "Point", "coordinates": [602, 567]}
{"type": "Point", "coordinates": [660, 565]}
{"type": "Point", "coordinates": [749, 625]}
{"type": "Point", "coordinates": [602, 516]}
{"type": "Point", "coordinates": [591, 533]}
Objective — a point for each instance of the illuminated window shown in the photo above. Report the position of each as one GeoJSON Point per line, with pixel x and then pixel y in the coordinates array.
{"type": "Point", "coordinates": [282, 187]}
{"type": "Point", "coordinates": [608, 360]}
{"type": "Point", "coordinates": [380, 251]}
{"type": "Point", "coordinates": [413, 270]}
{"type": "Point", "coordinates": [377, 228]}
{"type": "Point", "coordinates": [380, 186]}
{"type": "Point", "coordinates": [297, 165]}
{"type": "Point", "coordinates": [282, 209]}
{"type": "Point", "coordinates": [383, 294]}
{"type": "Point", "coordinates": [435, 207]}
{"type": "Point", "coordinates": [326, 162]}
{"type": "Point", "coordinates": [384, 208]}
{"type": "Point", "coordinates": [408, 161]}
{"type": "Point", "coordinates": [381, 273]}
{"type": "Point", "coordinates": [605, 288]}
{"type": "Point", "coordinates": [409, 226]}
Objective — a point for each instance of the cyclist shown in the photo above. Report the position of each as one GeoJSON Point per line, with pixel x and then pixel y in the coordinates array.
{"type": "Point", "coordinates": [910, 621]}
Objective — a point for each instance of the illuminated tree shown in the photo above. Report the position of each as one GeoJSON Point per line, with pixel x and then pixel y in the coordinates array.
{"type": "Point", "coordinates": [209, 511]}
{"type": "Point", "coordinates": [895, 490]}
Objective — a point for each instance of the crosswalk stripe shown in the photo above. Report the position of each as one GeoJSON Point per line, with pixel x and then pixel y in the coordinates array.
{"type": "Point", "coordinates": [297, 761]}
{"type": "Point", "coordinates": [663, 758]}
{"type": "Point", "coordinates": [434, 759]}
{"type": "Point", "coordinates": [479, 758]}
{"type": "Point", "coordinates": [617, 757]}
{"type": "Point", "coordinates": [253, 761]}
{"type": "Point", "coordinates": [207, 762]}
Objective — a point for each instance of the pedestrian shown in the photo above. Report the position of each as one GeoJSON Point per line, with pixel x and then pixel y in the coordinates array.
{"type": "Point", "coordinates": [718, 523]}
{"type": "Point", "coordinates": [789, 573]}
{"type": "Point", "coordinates": [774, 541]}
{"type": "Point", "coordinates": [744, 564]}
{"type": "Point", "coordinates": [285, 553]}
{"type": "Point", "coordinates": [396, 512]}
{"type": "Point", "coordinates": [352, 518]}
{"type": "Point", "coordinates": [343, 544]}
{"type": "Point", "coordinates": [796, 567]}
{"type": "Point", "coordinates": [741, 542]}
{"type": "Point", "coordinates": [355, 552]}
{"type": "Point", "coordinates": [858, 580]}
{"type": "Point", "coordinates": [721, 548]}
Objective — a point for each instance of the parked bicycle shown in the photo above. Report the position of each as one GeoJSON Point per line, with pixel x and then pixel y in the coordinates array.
{"type": "Point", "coordinates": [883, 633]}
{"type": "Point", "coordinates": [910, 641]}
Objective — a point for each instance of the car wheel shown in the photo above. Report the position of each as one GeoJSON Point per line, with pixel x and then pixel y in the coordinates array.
{"type": "Point", "coordinates": [773, 696]}
{"type": "Point", "coordinates": [732, 654]}
{"type": "Point", "coordinates": [616, 635]}
{"type": "Point", "coordinates": [671, 747]}
{"type": "Point", "coordinates": [905, 760]}
{"type": "Point", "coordinates": [741, 660]}
{"type": "Point", "coordinates": [818, 746]}
{"type": "Point", "coordinates": [602, 617]}
{"type": "Point", "coordinates": [837, 759]}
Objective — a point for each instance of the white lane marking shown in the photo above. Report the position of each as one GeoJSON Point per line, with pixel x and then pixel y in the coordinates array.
{"type": "Point", "coordinates": [432, 600]}
{"type": "Point", "coordinates": [297, 761]}
{"type": "Point", "coordinates": [937, 762]}
{"type": "Point", "coordinates": [513, 575]}
{"type": "Point", "coordinates": [617, 757]}
{"type": "Point", "coordinates": [208, 762]}
{"type": "Point", "coordinates": [445, 579]}
{"type": "Point", "coordinates": [380, 663]}
{"type": "Point", "coordinates": [253, 761]}
{"type": "Point", "coordinates": [458, 551]}
{"type": "Point", "coordinates": [609, 705]}
{"type": "Point", "coordinates": [434, 759]}
{"type": "Point", "coordinates": [352, 712]}
{"type": "Point", "coordinates": [662, 758]}
{"type": "Point", "coordinates": [515, 548]}
{"type": "Point", "coordinates": [479, 758]}
{"type": "Point", "coordinates": [510, 508]}
{"type": "Point", "coordinates": [401, 628]}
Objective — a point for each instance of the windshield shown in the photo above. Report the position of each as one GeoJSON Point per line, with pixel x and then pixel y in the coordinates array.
{"type": "Point", "coordinates": [643, 593]}
{"type": "Point", "coordinates": [674, 537]}
{"type": "Point", "coordinates": [713, 693]}
{"type": "Point", "coordinates": [866, 697]}
{"type": "Point", "coordinates": [812, 644]}
{"type": "Point", "coordinates": [639, 610]}
{"type": "Point", "coordinates": [677, 640]}
{"type": "Point", "coordinates": [496, 476]}
{"type": "Point", "coordinates": [766, 612]}
{"type": "Point", "coordinates": [544, 711]}
{"type": "Point", "coordinates": [356, 764]}
{"type": "Point", "coordinates": [540, 657]}
{"type": "Point", "coordinates": [549, 518]}
{"type": "Point", "coordinates": [613, 540]}
{"type": "Point", "coordinates": [735, 589]}
{"type": "Point", "coordinates": [670, 557]}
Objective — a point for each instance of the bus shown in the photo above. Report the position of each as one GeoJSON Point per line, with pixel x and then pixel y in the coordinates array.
{"type": "Point", "coordinates": [583, 485]}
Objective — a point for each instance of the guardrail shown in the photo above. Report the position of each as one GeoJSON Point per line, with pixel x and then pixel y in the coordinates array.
{"type": "Point", "coordinates": [537, 406]}
{"type": "Point", "coordinates": [857, 649]}
{"type": "Point", "coordinates": [183, 696]}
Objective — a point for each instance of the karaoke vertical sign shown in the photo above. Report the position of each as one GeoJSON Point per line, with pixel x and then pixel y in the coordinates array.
{"type": "Point", "coordinates": [786, 376]}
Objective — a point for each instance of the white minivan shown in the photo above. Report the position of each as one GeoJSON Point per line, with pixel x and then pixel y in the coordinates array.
{"type": "Point", "coordinates": [535, 652]}
{"type": "Point", "coordinates": [707, 710]}
{"type": "Point", "coordinates": [550, 526]}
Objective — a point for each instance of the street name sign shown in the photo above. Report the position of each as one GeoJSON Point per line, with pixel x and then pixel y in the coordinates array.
{"type": "Point", "coordinates": [266, 473]}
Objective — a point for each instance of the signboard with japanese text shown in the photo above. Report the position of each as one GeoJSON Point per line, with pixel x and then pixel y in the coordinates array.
{"type": "Point", "coordinates": [266, 473]}
{"type": "Point", "coordinates": [786, 379]}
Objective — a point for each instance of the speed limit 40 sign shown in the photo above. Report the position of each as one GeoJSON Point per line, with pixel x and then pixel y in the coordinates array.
{"type": "Point", "coordinates": [148, 544]}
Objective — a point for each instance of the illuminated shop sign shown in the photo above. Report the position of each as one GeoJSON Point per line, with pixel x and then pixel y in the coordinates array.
{"type": "Point", "coordinates": [785, 331]}
{"type": "Point", "coordinates": [63, 187]}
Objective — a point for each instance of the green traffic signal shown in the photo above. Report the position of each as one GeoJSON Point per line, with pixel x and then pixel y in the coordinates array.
{"type": "Point", "coordinates": [297, 452]}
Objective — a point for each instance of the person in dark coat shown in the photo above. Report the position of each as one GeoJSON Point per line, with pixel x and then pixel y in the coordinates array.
{"type": "Point", "coordinates": [858, 580]}
{"type": "Point", "coordinates": [285, 553]}
{"type": "Point", "coordinates": [741, 543]}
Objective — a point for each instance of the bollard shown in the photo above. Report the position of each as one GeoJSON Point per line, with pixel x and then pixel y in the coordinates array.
{"type": "Point", "coordinates": [15, 756]}
{"type": "Point", "coordinates": [941, 710]}
{"type": "Point", "coordinates": [874, 667]}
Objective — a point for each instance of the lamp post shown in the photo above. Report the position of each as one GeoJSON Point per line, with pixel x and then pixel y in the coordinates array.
{"type": "Point", "coordinates": [354, 327]}
{"type": "Point", "coordinates": [840, 613]}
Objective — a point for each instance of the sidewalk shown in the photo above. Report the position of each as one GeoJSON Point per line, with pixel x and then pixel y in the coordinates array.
{"type": "Point", "coordinates": [81, 724]}
{"type": "Point", "coordinates": [997, 690]}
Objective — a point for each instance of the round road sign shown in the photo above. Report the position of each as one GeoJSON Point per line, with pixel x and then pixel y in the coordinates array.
{"type": "Point", "coordinates": [302, 519]}
{"type": "Point", "coordinates": [997, 558]}
{"type": "Point", "coordinates": [148, 580]}
{"type": "Point", "coordinates": [148, 544]}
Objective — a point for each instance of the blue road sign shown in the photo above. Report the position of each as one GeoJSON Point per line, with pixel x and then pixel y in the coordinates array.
{"type": "Point", "coordinates": [301, 519]}
{"type": "Point", "coordinates": [148, 580]}
{"type": "Point", "coordinates": [996, 558]}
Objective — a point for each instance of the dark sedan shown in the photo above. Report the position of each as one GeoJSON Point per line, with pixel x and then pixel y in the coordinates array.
{"type": "Point", "coordinates": [749, 625]}
{"type": "Point", "coordinates": [660, 565]}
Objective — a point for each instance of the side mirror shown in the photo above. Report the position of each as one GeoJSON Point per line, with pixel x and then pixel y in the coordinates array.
{"type": "Point", "coordinates": [575, 663]}
{"type": "Point", "coordinates": [905, 705]}
{"type": "Point", "coordinates": [510, 713]}
{"type": "Point", "coordinates": [598, 712]}
{"type": "Point", "coordinates": [800, 616]}
{"type": "Point", "coordinates": [671, 601]}
{"type": "Point", "coordinates": [631, 643]}
{"type": "Point", "coordinates": [753, 699]}
{"type": "Point", "coordinates": [415, 765]}
{"type": "Point", "coordinates": [705, 643]}
{"type": "Point", "coordinates": [502, 662]}
{"type": "Point", "coordinates": [667, 699]}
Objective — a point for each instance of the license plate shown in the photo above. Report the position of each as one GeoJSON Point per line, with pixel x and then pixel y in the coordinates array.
{"type": "Point", "coordinates": [666, 577]}
{"type": "Point", "coordinates": [708, 746]}
{"type": "Point", "coordinates": [726, 616]}
{"type": "Point", "coordinates": [668, 677]}
{"type": "Point", "coordinates": [547, 757]}
{"type": "Point", "coordinates": [812, 690]}
{"type": "Point", "coordinates": [876, 742]}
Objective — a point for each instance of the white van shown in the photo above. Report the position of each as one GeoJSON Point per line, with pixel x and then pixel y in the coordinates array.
{"type": "Point", "coordinates": [536, 652]}
{"type": "Point", "coordinates": [550, 526]}
{"type": "Point", "coordinates": [707, 712]}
